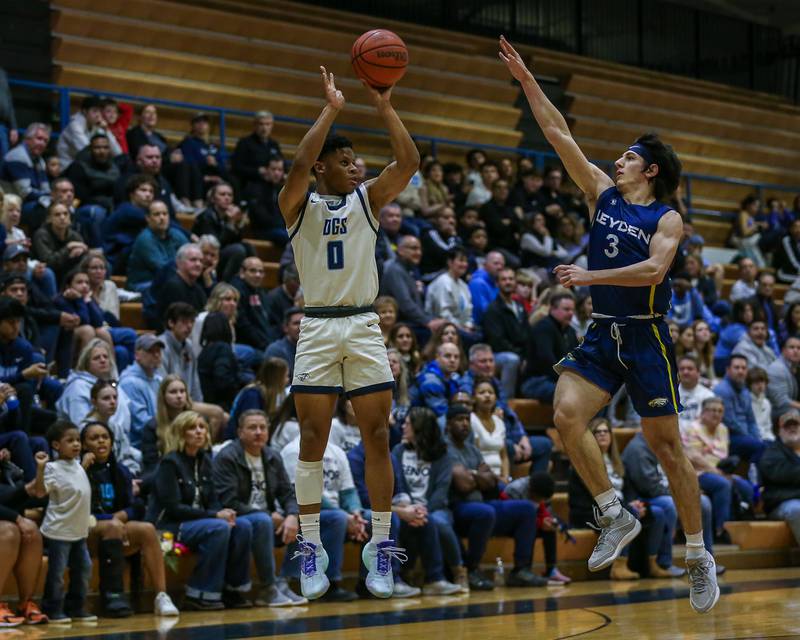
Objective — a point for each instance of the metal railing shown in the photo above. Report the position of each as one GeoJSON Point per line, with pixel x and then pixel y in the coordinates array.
{"type": "Point", "coordinates": [540, 158]}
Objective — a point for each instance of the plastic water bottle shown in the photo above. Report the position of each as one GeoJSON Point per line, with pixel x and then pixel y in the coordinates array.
{"type": "Point", "coordinates": [12, 402]}
{"type": "Point", "coordinates": [499, 572]}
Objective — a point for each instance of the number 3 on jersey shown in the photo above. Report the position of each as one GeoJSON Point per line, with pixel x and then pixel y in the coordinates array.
{"type": "Point", "coordinates": [336, 255]}
{"type": "Point", "coordinates": [611, 251]}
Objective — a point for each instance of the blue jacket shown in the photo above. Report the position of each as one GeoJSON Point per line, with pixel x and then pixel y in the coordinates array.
{"type": "Point", "coordinates": [435, 390]}
{"type": "Point", "coordinates": [248, 398]}
{"type": "Point", "coordinates": [15, 357]}
{"type": "Point", "coordinates": [739, 416]}
{"type": "Point", "coordinates": [149, 253]}
{"type": "Point", "coordinates": [484, 290]}
{"type": "Point", "coordinates": [728, 338]}
{"type": "Point", "coordinates": [438, 481]}
{"type": "Point", "coordinates": [691, 307]}
{"type": "Point", "coordinates": [142, 392]}
{"type": "Point", "coordinates": [89, 312]}
{"type": "Point", "coordinates": [29, 176]}
{"type": "Point", "coordinates": [195, 151]}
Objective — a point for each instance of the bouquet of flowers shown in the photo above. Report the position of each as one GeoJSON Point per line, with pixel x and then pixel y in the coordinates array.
{"type": "Point", "coordinates": [172, 550]}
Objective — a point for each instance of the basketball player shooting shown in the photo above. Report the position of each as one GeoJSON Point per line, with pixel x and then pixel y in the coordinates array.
{"type": "Point", "coordinates": [632, 243]}
{"type": "Point", "coordinates": [333, 233]}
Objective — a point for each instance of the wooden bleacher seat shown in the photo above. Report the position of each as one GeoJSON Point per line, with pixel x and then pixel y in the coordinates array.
{"type": "Point", "coordinates": [130, 315]}
{"type": "Point", "coordinates": [532, 413]}
{"type": "Point", "coordinates": [760, 534]}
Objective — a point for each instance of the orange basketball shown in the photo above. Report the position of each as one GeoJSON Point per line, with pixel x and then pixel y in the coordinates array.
{"type": "Point", "coordinates": [379, 57]}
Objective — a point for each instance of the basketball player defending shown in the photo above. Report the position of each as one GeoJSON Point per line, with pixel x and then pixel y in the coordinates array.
{"type": "Point", "coordinates": [333, 233]}
{"type": "Point", "coordinates": [632, 243]}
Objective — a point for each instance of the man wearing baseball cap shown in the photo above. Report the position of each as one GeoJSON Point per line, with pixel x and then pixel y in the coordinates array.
{"type": "Point", "coordinates": [780, 472]}
{"type": "Point", "coordinates": [140, 382]}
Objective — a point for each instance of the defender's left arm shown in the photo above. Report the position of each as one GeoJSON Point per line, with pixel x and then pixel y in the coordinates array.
{"type": "Point", "coordinates": [645, 273]}
{"type": "Point", "coordinates": [394, 178]}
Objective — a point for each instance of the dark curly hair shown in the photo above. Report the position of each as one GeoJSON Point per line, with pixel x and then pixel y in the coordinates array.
{"type": "Point", "coordinates": [669, 166]}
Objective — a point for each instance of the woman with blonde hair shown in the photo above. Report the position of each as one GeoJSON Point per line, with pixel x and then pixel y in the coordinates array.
{"type": "Point", "coordinates": [188, 507]}
{"type": "Point", "coordinates": [172, 400]}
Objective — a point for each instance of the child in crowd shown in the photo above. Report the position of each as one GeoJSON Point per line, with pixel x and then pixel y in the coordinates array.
{"type": "Point", "coordinates": [762, 408]}
{"type": "Point", "coordinates": [66, 526]}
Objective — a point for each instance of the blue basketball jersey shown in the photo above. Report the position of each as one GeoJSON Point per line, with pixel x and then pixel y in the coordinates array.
{"type": "Point", "coordinates": [620, 236]}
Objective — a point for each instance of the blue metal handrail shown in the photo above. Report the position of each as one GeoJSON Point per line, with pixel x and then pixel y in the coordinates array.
{"type": "Point", "coordinates": [539, 157]}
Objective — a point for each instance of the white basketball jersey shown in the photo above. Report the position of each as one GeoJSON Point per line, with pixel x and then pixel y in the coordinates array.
{"type": "Point", "coordinates": [334, 249]}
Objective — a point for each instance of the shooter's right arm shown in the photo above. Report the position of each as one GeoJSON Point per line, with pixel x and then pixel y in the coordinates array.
{"type": "Point", "coordinates": [294, 191]}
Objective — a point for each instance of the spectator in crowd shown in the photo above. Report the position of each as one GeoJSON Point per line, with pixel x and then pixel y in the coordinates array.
{"type": "Point", "coordinates": [786, 258]}
{"type": "Point", "coordinates": [475, 160]}
{"type": "Point", "coordinates": [449, 297]}
{"type": "Point", "coordinates": [790, 324]}
{"type": "Point", "coordinates": [140, 382]}
{"type": "Point", "coordinates": [205, 156]}
{"type": "Point", "coordinates": [502, 222]}
{"type": "Point", "coordinates": [583, 314]}
{"type": "Point", "coordinates": [438, 381]}
{"type": "Point", "coordinates": [24, 168]}
{"type": "Point", "coordinates": [173, 399]}
{"type": "Point", "coordinates": [266, 221]}
{"type": "Point", "coordinates": [210, 247]}
{"type": "Point", "coordinates": [87, 219]}
{"type": "Point", "coordinates": [745, 286]}
{"type": "Point", "coordinates": [747, 232]}
{"type": "Point", "coordinates": [82, 127]}
{"type": "Point", "coordinates": [183, 285]}
{"type": "Point", "coordinates": [650, 485]}
{"type": "Point", "coordinates": [286, 347]}
{"type": "Point", "coordinates": [745, 437]}
{"type": "Point", "coordinates": [106, 294]}
{"type": "Point", "coordinates": [692, 392]}
{"type": "Point", "coordinates": [16, 286]}
{"type": "Point", "coordinates": [489, 430]}
{"type": "Point", "coordinates": [780, 473]}
{"type": "Point", "coordinates": [389, 234]}
{"type": "Point", "coordinates": [707, 444]}
{"type": "Point", "coordinates": [401, 281]}
{"type": "Point", "coordinates": [253, 153]}
{"type": "Point", "coordinates": [505, 328]}
{"type": "Point", "coordinates": [704, 285]}
{"type": "Point", "coordinates": [10, 216]}
{"type": "Point", "coordinates": [56, 243]}
{"type": "Point", "coordinates": [552, 202]}
{"type": "Point", "coordinates": [764, 297]}
{"type": "Point", "coordinates": [404, 394]}
{"type": "Point", "coordinates": [119, 530]}
{"type": "Point", "coordinates": [253, 326]}
{"type": "Point", "coordinates": [526, 294]}
{"type": "Point", "coordinates": [122, 227]}
{"type": "Point", "coordinates": [189, 507]}
{"type": "Point", "coordinates": [425, 473]}
{"type": "Point", "coordinates": [267, 393]}
{"type": "Point", "coordinates": [104, 396]}
{"type": "Point", "coordinates": [251, 480]}
{"type": "Point", "coordinates": [340, 517]}
{"type": "Point", "coordinates": [477, 515]}
{"type": "Point", "coordinates": [9, 136]}
{"type": "Point", "coordinates": [483, 285]}
{"type": "Point", "coordinates": [281, 298]}
{"type": "Point", "coordinates": [753, 345]}
{"type": "Point", "coordinates": [94, 174]}
{"type": "Point", "coordinates": [551, 339]}
{"type": "Point", "coordinates": [154, 248]}
{"type": "Point", "coordinates": [687, 304]}
{"type": "Point", "coordinates": [433, 194]}
{"type": "Point", "coordinates": [118, 118]}
{"type": "Point", "coordinates": [404, 340]}
{"type": "Point", "coordinates": [221, 376]}
{"type": "Point", "coordinates": [66, 526]}
{"type": "Point", "coordinates": [525, 194]}
{"type": "Point", "coordinates": [178, 356]}
{"type": "Point", "coordinates": [387, 310]}
{"type": "Point", "coordinates": [225, 220]}
{"type": "Point", "coordinates": [573, 238]}
{"type": "Point", "coordinates": [704, 350]}
{"type": "Point", "coordinates": [345, 432]}
{"type": "Point", "coordinates": [481, 191]}
{"type": "Point", "coordinates": [95, 362]}
{"type": "Point", "coordinates": [439, 242]}
{"type": "Point", "coordinates": [757, 381]}
{"type": "Point", "coordinates": [783, 389]}
{"type": "Point", "coordinates": [742, 315]}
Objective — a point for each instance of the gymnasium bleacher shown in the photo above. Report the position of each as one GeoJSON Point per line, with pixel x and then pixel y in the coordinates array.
{"type": "Point", "coordinates": [246, 55]}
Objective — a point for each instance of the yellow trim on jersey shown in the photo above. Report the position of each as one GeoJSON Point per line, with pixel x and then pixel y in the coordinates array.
{"type": "Point", "coordinates": [669, 368]}
{"type": "Point", "coordinates": [652, 297]}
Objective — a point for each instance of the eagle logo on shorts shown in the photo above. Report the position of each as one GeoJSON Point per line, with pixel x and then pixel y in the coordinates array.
{"type": "Point", "coordinates": [657, 402]}
{"type": "Point", "coordinates": [302, 377]}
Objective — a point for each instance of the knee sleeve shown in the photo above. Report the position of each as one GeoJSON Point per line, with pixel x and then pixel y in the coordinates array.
{"type": "Point", "coordinates": [308, 482]}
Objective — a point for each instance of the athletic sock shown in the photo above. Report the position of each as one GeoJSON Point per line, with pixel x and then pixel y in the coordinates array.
{"type": "Point", "coordinates": [309, 527]}
{"type": "Point", "coordinates": [609, 503]}
{"type": "Point", "coordinates": [381, 523]}
{"type": "Point", "coordinates": [695, 547]}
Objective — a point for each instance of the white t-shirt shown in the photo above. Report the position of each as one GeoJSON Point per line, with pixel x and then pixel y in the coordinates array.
{"type": "Point", "coordinates": [289, 431]}
{"type": "Point", "coordinates": [258, 483]}
{"type": "Point", "coordinates": [762, 410]}
{"type": "Point", "coordinates": [336, 474]}
{"type": "Point", "coordinates": [417, 473]}
{"type": "Point", "coordinates": [692, 402]}
{"type": "Point", "coordinates": [346, 436]}
{"type": "Point", "coordinates": [489, 444]}
{"type": "Point", "coordinates": [70, 508]}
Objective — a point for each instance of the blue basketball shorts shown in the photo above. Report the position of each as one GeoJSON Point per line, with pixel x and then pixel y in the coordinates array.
{"type": "Point", "coordinates": [636, 353]}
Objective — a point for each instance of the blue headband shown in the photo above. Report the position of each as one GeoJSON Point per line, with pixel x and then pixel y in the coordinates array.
{"type": "Point", "coordinates": [640, 150]}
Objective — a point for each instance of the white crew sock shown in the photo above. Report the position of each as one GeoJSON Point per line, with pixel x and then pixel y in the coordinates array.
{"type": "Point", "coordinates": [309, 527]}
{"type": "Point", "coordinates": [308, 487]}
{"type": "Point", "coordinates": [381, 523]}
{"type": "Point", "coordinates": [609, 503]}
{"type": "Point", "coordinates": [695, 547]}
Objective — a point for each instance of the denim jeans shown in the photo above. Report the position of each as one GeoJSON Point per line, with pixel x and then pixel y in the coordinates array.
{"type": "Point", "coordinates": [424, 541]}
{"type": "Point", "coordinates": [670, 517]}
{"type": "Point", "coordinates": [5, 143]}
{"type": "Point", "coordinates": [451, 545]}
{"type": "Point", "coordinates": [720, 490]}
{"type": "Point", "coordinates": [789, 511]}
{"type": "Point", "coordinates": [249, 359]}
{"type": "Point", "coordinates": [89, 219]}
{"type": "Point", "coordinates": [223, 556]}
{"type": "Point", "coordinates": [707, 516]}
{"type": "Point", "coordinates": [124, 342]}
{"type": "Point", "coordinates": [263, 536]}
{"type": "Point", "coordinates": [333, 533]}
{"type": "Point", "coordinates": [510, 518]}
{"type": "Point", "coordinates": [508, 363]}
{"type": "Point", "coordinates": [541, 446]}
{"type": "Point", "coordinates": [21, 452]}
{"type": "Point", "coordinates": [47, 283]}
{"type": "Point", "coordinates": [62, 555]}
{"type": "Point", "coordinates": [746, 447]}
{"type": "Point", "coordinates": [539, 388]}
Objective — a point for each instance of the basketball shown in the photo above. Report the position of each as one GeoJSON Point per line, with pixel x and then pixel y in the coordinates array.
{"type": "Point", "coordinates": [379, 58]}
